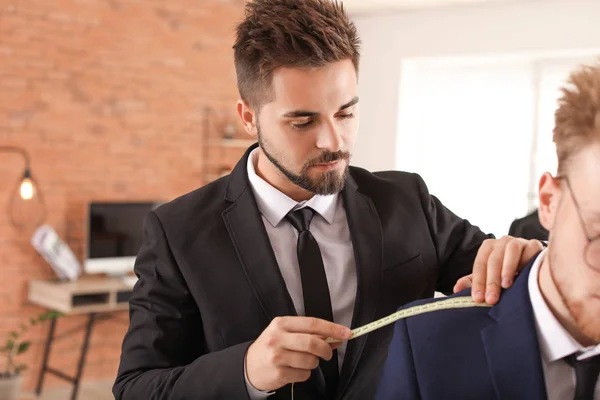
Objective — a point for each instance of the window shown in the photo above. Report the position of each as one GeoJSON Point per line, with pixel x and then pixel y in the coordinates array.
{"type": "Point", "coordinates": [479, 131]}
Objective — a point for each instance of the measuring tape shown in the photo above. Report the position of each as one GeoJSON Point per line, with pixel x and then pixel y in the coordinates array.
{"type": "Point", "coordinates": [446, 304]}
{"type": "Point", "coordinates": [452, 302]}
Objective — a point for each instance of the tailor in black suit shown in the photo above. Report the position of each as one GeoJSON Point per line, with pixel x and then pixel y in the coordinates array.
{"type": "Point", "coordinates": [209, 284]}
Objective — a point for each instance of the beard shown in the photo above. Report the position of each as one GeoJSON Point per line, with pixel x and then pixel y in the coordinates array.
{"type": "Point", "coordinates": [327, 183]}
{"type": "Point", "coordinates": [582, 310]}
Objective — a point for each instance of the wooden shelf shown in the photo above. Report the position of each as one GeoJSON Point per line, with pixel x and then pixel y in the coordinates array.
{"type": "Point", "coordinates": [86, 295]}
{"type": "Point", "coordinates": [240, 143]}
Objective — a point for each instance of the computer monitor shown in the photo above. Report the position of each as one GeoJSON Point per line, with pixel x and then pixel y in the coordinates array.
{"type": "Point", "coordinates": [114, 236]}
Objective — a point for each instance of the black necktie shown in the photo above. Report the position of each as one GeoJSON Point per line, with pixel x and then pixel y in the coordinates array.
{"type": "Point", "coordinates": [586, 373]}
{"type": "Point", "coordinates": [317, 302]}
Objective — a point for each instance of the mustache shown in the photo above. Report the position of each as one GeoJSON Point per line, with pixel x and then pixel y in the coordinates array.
{"type": "Point", "coordinates": [328, 157]}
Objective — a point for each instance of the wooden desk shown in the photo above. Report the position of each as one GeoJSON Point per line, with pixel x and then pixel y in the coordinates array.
{"type": "Point", "coordinates": [88, 295]}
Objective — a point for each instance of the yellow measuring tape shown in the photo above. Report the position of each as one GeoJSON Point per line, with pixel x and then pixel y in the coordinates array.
{"type": "Point", "coordinates": [445, 304]}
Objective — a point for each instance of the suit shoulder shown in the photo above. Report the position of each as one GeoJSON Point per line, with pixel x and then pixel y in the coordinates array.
{"type": "Point", "coordinates": [447, 318]}
{"type": "Point", "coordinates": [364, 177]}
{"type": "Point", "coordinates": [383, 182]}
{"type": "Point", "coordinates": [433, 300]}
{"type": "Point", "coordinates": [205, 200]}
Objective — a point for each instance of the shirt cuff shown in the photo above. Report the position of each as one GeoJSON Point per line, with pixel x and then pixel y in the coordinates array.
{"type": "Point", "coordinates": [253, 392]}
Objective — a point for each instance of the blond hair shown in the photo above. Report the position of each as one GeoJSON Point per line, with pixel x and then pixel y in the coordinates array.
{"type": "Point", "coordinates": [577, 119]}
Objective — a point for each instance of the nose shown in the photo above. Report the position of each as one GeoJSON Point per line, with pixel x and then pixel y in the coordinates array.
{"type": "Point", "coordinates": [330, 138]}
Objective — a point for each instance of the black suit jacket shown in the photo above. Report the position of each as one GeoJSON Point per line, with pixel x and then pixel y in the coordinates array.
{"type": "Point", "coordinates": [209, 284]}
{"type": "Point", "coordinates": [529, 227]}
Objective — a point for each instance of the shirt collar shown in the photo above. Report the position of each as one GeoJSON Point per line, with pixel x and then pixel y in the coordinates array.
{"type": "Point", "coordinates": [275, 205]}
{"type": "Point", "coordinates": [555, 342]}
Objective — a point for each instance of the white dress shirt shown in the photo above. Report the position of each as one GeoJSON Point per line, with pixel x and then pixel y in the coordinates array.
{"type": "Point", "coordinates": [555, 343]}
{"type": "Point", "coordinates": [329, 226]}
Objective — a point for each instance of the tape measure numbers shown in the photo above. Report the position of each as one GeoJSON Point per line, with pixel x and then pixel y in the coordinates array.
{"type": "Point", "coordinates": [453, 302]}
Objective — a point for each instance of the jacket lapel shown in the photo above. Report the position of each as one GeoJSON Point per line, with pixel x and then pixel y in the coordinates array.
{"type": "Point", "coordinates": [249, 237]}
{"type": "Point", "coordinates": [511, 346]}
{"type": "Point", "coordinates": [366, 234]}
{"type": "Point", "coordinates": [251, 242]}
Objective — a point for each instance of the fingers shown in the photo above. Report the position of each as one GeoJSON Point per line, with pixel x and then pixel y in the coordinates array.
{"type": "Point", "coordinates": [480, 270]}
{"type": "Point", "coordinates": [313, 326]}
{"type": "Point", "coordinates": [289, 349]}
{"type": "Point", "coordinates": [335, 345]}
{"type": "Point", "coordinates": [532, 248]}
{"type": "Point", "coordinates": [463, 283]}
{"type": "Point", "coordinates": [294, 359]}
{"type": "Point", "coordinates": [517, 254]}
{"type": "Point", "coordinates": [496, 265]}
{"type": "Point", "coordinates": [306, 343]}
{"type": "Point", "coordinates": [512, 256]}
{"type": "Point", "coordinates": [494, 272]}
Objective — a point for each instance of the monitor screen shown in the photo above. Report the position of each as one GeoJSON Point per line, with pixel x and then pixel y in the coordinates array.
{"type": "Point", "coordinates": [114, 235]}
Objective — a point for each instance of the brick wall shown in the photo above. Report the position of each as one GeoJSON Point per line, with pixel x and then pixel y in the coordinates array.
{"type": "Point", "coordinates": [108, 98]}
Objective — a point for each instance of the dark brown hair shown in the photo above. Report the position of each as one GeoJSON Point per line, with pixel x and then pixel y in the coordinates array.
{"type": "Point", "coordinates": [289, 33]}
{"type": "Point", "coordinates": [577, 119]}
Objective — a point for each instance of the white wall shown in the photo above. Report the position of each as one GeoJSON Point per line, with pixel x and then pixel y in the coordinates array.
{"type": "Point", "coordinates": [522, 26]}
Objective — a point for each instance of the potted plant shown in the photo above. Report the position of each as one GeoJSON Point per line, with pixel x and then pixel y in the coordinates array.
{"type": "Point", "coordinates": [10, 374]}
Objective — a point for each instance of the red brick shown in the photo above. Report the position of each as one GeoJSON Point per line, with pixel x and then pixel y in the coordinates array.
{"type": "Point", "coordinates": [108, 97]}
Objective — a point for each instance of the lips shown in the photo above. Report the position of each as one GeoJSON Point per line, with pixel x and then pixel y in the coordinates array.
{"type": "Point", "coordinates": [327, 165]}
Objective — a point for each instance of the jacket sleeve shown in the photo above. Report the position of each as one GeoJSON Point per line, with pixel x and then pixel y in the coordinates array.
{"type": "Point", "coordinates": [399, 379]}
{"type": "Point", "coordinates": [456, 240]}
{"type": "Point", "coordinates": [164, 354]}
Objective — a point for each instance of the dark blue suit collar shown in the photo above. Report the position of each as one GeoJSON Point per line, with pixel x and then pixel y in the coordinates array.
{"type": "Point", "coordinates": [511, 345]}
{"type": "Point", "coordinates": [516, 298]}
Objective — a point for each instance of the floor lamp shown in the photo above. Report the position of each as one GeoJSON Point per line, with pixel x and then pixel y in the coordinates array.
{"type": "Point", "coordinates": [26, 205]}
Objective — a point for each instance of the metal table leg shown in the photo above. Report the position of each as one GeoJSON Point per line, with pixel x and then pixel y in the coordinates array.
{"type": "Point", "coordinates": [40, 382]}
{"type": "Point", "coordinates": [84, 350]}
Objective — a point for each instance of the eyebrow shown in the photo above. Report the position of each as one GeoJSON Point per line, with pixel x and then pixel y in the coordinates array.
{"type": "Point", "coordinates": [304, 113]}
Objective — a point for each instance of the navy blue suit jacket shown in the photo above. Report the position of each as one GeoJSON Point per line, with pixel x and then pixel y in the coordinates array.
{"type": "Point", "coordinates": [471, 353]}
